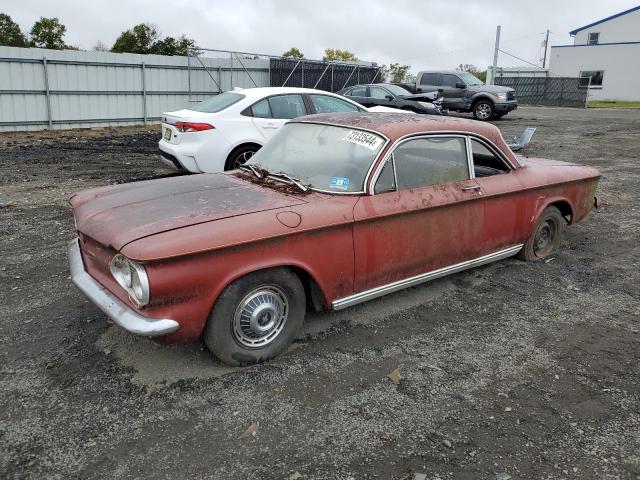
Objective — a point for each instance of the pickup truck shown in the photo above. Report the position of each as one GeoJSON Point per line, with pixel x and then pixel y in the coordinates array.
{"type": "Point", "coordinates": [463, 92]}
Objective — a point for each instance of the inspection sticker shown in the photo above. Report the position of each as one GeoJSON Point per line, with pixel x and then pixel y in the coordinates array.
{"type": "Point", "coordinates": [340, 183]}
{"type": "Point", "coordinates": [364, 139]}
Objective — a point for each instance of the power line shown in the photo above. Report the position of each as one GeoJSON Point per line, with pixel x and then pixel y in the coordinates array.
{"type": "Point", "coordinates": [521, 59]}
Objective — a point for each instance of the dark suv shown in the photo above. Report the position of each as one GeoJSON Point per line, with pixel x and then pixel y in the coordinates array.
{"type": "Point", "coordinates": [463, 92]}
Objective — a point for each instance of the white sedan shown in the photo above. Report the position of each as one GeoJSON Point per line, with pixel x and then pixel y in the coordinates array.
{"type": "Point", "coordinates": [225, 130]}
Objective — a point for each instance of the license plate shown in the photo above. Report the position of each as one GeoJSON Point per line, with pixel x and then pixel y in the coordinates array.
{"type": "Point", "coordinates": [167, 134]}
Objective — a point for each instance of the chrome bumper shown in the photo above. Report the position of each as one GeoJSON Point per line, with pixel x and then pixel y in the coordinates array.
{"type": "Point", "coordinates": [117, 311]}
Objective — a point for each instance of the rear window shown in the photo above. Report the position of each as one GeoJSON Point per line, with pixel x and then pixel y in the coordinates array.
{"type": "Point", "coordinates": [217, 103]}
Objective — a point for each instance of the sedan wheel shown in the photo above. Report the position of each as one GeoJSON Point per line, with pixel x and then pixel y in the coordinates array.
{"type": "Point", "coordinates": [546, 237]}
{"type": "Point", "coordinates": [483, 110]}
{"type": "Point", "coordinates": [240, 156]}
{"type": "Point", "coordinates": [256, 317]}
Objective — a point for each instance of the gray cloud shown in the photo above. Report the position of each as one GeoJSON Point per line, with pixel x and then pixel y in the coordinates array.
{"type": "Point", "coordinates": [429, 34]}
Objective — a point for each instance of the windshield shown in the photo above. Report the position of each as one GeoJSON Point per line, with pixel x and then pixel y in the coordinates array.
{"type": "Point", "coordinates": [334, 159]}
{"type": "Point", "coordinates": [471, 79]}
{"type": "Point", "coordinates": [217, 103]}
{"type": "Point", "coordinates": [397, 90]}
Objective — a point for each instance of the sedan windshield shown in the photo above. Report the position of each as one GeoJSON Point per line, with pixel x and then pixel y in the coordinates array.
{"type": "Point", "coordinates": [324, 157]}
{"type": "Point", "coordinates": [470, 79]}
{"type": "Point", "coordinates": [397, 90]}
{"type": "Point", "coordinates": [217, 103]}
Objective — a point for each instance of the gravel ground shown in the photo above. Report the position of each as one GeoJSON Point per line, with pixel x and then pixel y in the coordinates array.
{"type": "Point", "coordinates": [513, 370]}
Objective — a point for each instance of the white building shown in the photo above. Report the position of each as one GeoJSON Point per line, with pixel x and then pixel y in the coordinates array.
{"type": "Point", "coordinates": [605, 54]}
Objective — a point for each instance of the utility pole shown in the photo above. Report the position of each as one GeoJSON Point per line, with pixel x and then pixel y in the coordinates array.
{"type": "Point", "coordinates": [495, 56]}
{"type": "Point", "coordinates": [546, 42]}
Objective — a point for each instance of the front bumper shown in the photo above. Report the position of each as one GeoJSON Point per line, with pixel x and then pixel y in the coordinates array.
{"type": "Point", "coordinates": [117, 311]}
{"type": "Point", "coordinates": [506, 106]}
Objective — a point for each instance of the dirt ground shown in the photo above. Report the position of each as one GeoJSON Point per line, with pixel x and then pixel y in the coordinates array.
{"type": "Point", "coordinates": [513, 370]}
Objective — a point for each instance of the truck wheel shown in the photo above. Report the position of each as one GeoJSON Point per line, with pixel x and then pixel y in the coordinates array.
{"type": "Point", "coordinates": [546, 237]}
{"type": "Point", "coordinates": [256, 317]}
{"type": "Point", "coordinates": [483, 110]}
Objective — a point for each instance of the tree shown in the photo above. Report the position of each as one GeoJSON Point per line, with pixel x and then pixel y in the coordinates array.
{"type": "Point", "coordinates": [467, 67]}
{"type": "Point", "coordinates": [172, 46]}
{"type": "Point", "coordinates": [145, 38]}
{"type": "Point", "coordinates": [293, 52]}
{"type": "Point", "coordinates": [396, 73]}
{"type": "Point", "coordinates": [100, 47]}
{"type": "Point", "coordinates": [48, 33]}
{"type": "Point", "coordinates": [138, 39]}
{"type": "Point", "coordinates": [331, 54]}
{"type": "Point", "coordinates": [10, 33]}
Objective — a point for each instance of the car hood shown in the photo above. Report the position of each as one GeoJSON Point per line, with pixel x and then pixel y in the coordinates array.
{"type": "Point", "coordinates": [119, 214]}
{"type": "Point", "coordinates": [490, 88]}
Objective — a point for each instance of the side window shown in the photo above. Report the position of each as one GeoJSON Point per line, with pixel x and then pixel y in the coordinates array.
{"type": "Point", "coordinates": [379, 93]}
{"type": "Point", "coordinates": [431, 79]}
{"type": "Point", "coordinates": [287, 106]}
{"type": "Point", "coordinates": [261, 109]}
{"type": "Point", "coordinates": [387, 180]}
{"type": "Point", "coordinates": [327, 104]}
{"type": "Point", "coordinates": [357, 92]}
{"type": "Point", "coordinates": [485, 162]}
{"type": "Point", "coordinates": [431, 161]}
{"type": "Point", "coordinates": [449, 80]}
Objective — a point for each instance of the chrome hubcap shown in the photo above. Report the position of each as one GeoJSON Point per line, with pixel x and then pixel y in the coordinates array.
{"type": "Point", "coordinates": [242, 159]}
{"type": "Point", "coordinates": [483, 110]}
{"type": "Point", "coordinates": [260, 317]}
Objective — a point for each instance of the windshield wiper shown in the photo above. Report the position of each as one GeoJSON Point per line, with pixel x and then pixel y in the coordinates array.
{"type": "Point", "coordinates": [293, 180]}
{"type": "Point", "coordinates": [252, 169]}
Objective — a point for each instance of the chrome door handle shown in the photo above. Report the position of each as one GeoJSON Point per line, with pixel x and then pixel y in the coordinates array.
{"type": "Point", "coordinates": [470, 187]}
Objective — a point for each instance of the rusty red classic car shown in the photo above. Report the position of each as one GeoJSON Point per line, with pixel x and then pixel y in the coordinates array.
{"type": "Point", "coordinates": [335, 210]}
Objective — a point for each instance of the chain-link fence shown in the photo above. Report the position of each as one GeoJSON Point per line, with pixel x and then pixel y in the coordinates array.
{"type": "Point", "coordinates": [327, 76]}
{"type": "Point", "coordinates": [552, 91]}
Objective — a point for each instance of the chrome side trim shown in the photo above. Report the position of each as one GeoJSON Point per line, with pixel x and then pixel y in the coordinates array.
{"type": "Point", "coordinates": [117, 311]}
{"type": "Point", "coordinates": [360, 297]}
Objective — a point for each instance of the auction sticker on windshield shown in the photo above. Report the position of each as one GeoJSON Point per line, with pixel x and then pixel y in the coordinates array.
{"type": "Point", "coordinates": [339, 183]}
{"type": "Point", "coordinates": [364, 139]}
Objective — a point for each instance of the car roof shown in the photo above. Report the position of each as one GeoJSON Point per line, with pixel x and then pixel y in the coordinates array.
{"type": "Point", "coordinates": [397, 125]}
{"type": "Point", "coordinates": [453, 72]}
{"type": "Point", "coordinates": [259, 92]}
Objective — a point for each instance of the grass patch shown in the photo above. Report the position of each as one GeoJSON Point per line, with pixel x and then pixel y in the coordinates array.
{"type": "Point", "coordinates": [612, 104]}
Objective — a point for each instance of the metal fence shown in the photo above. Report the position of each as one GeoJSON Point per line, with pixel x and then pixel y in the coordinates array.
{"type": "Point", "coordinates": [329, 76]}
{"type": "Point", "coordinates": [552, 91]}
{"type": "Point", "coordinates": [42, 88]}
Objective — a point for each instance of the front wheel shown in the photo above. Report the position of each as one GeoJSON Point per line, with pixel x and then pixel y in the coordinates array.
{"type": "Point", "coordinates": [256, 317]}
{"type": "Point", "coordinates": [546, 237]}
{"type": "Point", "coordinates": [483, 110]}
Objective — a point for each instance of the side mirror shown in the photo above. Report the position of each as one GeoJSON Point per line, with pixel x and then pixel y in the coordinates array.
{"type": "Point", "coordinates": [388, 97]}
{"type": "Point", "coordinates": [460, 85]}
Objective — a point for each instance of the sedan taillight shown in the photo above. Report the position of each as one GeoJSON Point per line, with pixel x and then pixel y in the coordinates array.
{"type": "Point", "coordinates": [192, 127]}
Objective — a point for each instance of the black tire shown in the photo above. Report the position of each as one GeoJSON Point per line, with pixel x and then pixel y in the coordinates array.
{"type": "Point", "coordinates": [239, 156]}
{"type": "Point", "coordinates": [546, 237]}
{"type": "Point", "coordinates": [483, 110]}
{"type": "Point", "coordinates": [231, 332]}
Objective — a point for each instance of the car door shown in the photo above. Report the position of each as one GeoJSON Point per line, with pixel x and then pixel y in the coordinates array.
{"type": "Point", "coordinates": [358, 94]}
{"type": "Point", "coordinates": [271, 113]}
{"type": "Point", "coordinates": [381, 96]}
{"type": "Point", "coordinates": [453, 94]}
{"type": "Point", "coordinates": [508, 209]}
{"type": "Point", "coordinates": [328, 104]}
{"type": "Point", "coordinates": [429, 82]}
{"type": "Point", "coordinates": [425, 213]}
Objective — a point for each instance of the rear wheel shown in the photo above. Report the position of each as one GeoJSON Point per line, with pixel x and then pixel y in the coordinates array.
{"type": "Point", "coordinates": [256, 317]}
{"type": "Point", "coordinates": [239, 156]}
{"type": "Point", "coordinates": [546, 237]}
{"type": "Point", "coordinates": [483, 110]}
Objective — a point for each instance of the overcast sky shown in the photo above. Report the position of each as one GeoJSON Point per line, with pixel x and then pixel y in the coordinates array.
{"type": "Point", "coordinates": [423, 34]}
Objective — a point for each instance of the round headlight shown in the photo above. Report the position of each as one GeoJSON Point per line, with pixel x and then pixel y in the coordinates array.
{"type": "Point", "coordinates": [132, 277]}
